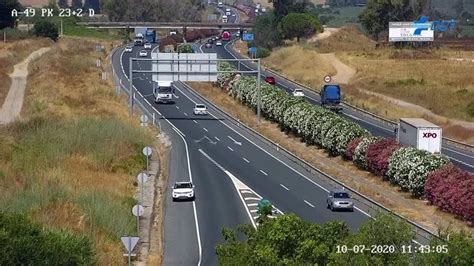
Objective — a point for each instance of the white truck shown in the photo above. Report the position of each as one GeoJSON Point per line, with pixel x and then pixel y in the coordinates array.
{"type": "Point", "coordinates": [421, 134]}
{"type": "Point", "coordinates": [163, 92]}
{"type": "Point", "coordinates": [224, 19]}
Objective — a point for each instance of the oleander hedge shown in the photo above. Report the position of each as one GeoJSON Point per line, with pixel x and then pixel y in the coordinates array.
{"type": "Point", "coordinates": [409, 168]}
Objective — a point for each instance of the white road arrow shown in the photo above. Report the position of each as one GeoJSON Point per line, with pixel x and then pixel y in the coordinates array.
{"type": "Point", "coordinates": [205, 137]}
{"type": "Point", "coordinates": [235, 142]}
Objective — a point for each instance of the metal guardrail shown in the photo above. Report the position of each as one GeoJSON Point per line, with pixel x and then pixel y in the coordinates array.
{"type": "Point", "coordinates": [420, 231]}
{"type": "Point", "coordinates": [452, 142]}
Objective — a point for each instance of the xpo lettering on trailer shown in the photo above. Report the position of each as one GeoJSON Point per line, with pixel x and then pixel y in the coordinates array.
{"type": "Point", "coordinates": [421, 134]}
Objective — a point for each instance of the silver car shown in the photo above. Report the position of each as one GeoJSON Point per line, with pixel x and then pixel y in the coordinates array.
{"type": "Point", "coordinates": [339, 200]}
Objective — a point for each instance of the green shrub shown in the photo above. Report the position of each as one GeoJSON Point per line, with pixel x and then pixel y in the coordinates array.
{"type": "Point", "coordinates": [470, 109]}
{"type": "Point", "coordinates": [46, 29]}
{"type": "Point", "coordinates": [262, 52]}
{"type": "Point", "coordinates": [26, 243]}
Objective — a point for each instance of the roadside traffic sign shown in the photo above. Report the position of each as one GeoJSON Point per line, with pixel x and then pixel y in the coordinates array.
{"type": "Point", "coordinates": [327, 78]}
{"type": "Point", "coordinates": [144, 118]}
{"type": "Point", "coordinates": [138, 210]}
{"type": "Point", "coordinates": [142, 178]}
{"type": "Point", "coordinates": [129, 242]}
{"type": "Point", "coordinates": [147, 151]}
{"type": "Point", "coordinates": [247, 37]}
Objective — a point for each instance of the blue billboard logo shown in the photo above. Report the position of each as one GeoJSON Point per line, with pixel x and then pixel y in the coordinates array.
{"type": "Point", "coordinates": [423, 23]}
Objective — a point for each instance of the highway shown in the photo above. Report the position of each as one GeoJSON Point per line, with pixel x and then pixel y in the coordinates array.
{"type": "Point", "coordinates": [205, 149]}
{"type": "Point", "coordinates": [464, 159]}
{"type": "Point", "coordinates": [201, 148]}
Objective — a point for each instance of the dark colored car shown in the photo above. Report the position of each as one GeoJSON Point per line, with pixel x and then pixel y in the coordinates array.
{"type": "Point", "coordinates": [270, 80]}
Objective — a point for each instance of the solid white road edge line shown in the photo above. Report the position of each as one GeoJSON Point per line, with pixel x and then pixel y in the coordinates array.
{"type": "Point", "coordinates": [194, 202]}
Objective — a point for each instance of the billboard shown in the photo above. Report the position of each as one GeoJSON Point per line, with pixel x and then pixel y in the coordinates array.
{"type": "Point", "coordinates": [195, 67]}
{"type": "Point", "coordinates": [410, 32]}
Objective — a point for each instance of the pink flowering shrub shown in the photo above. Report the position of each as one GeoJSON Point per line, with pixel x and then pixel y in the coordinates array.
{"type": "Point", "coordinates": [378, 154]}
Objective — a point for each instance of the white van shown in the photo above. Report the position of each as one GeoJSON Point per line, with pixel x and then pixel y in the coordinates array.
{"type": "Point", "coordinates": [163, 92]}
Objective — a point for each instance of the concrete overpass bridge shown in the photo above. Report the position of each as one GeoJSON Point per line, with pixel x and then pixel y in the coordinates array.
{"type": "Point", "coordinates": [168, 25]}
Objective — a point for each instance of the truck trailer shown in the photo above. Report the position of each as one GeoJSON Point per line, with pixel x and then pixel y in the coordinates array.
{"type": "Point", "coordinates": [331, 97]}
{"type": "Point", "coordinates": [421, 134]}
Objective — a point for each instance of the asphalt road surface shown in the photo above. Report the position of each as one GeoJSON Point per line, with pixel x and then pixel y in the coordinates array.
{"type": "Point", "coordinates": [192, 230]}
{"type": "Point", "coordinates": [464, 159]}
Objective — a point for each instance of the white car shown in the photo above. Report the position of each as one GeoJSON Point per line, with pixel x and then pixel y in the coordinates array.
{"type": "Point", "coordinates": [183, 190]}
{"type": "Point", "coordinates": [227, 13]}
{"type": "Point", "coordinates": [233, 14]}
{"type": "Point", "coordinates": [143, 53]}
{"type": "Point", "coordinates": [298, 93]}
{"type": "Point", "coordinates": [227, 10]}
{"type": "Point", "coordinates": [218, 43]}
{"type": "Point", "coordinates": [147, 45]}
{"type": "Point", "coordinates": [200, 109]}
{"type": "Point", "coordinates": [128, 49]}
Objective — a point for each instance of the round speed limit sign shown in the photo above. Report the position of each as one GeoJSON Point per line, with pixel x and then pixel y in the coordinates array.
{"type": "Point", "coordinates": [327, 79]}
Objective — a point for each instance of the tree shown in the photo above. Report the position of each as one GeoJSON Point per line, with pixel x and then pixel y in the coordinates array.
{"type": "Point", "coordinates": [265, 31]}
{"type": "Point", "coordinates": [452, 248]}
{"type": "Point", "coordinates": [62, 3]}
{"type": "Point", "coordinates": [6, 7]}
{"type": "Point", "coordinates": [379, 13]}
{"type": "Point", "coordinates": [76, 4]}
{"type": "Point", "coordinates": [185, 48]}
{"type": "Point", "coordinates": [384, 229]}
{"type": "Point", "coordinates": [285, 7]}
{"type": "Point", "coordinates": [287, 239]}
{"type": "Point", "coordinates": [299, 25]}
{"type": "Point", "coordinates": [44, 28]}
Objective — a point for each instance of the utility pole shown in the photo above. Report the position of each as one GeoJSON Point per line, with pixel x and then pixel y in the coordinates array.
{"type": "Point", "coordinates": [5, 35]}
{"type": "Point", "coordinates": [130, 89]}
{"type": "Point", "coordinates": [259, 93]}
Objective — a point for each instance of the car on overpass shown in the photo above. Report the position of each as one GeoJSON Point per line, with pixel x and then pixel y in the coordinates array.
{"type": "Point", "coordinates": [339, 200]}
{"type": "Point", "coordinates": [147, 45]}
{"type": "Point", "coordinates": [183, 191]}
{"type": "Point", "coordinates": [143, 53]}
{"type": "Point", "coordinates": [128, 49]}
{"type": "Point", "coordinates": [208, 45]}
{"type": "Point", "coordinates": [218, 43]}
{"type": "Point", "coordinates": [200, 109]}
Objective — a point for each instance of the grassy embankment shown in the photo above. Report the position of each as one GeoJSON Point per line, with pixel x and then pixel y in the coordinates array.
{"type": "Point", "coordinates": [420, 77]}
{"type": "Point", "coordinates": [14, 53]}
{"type": "Point", "coordinates": [71, 162]}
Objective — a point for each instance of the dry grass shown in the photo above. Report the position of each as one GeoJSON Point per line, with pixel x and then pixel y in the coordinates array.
{"type": "Point", "coordinates": [345, 171]}
{"type": "Point", "coordinates": [301, 63]}
{"type": "Point", "coordinates": [13, 53]}
{"type": "Point", "coordinates": [87, 189]}
{"type": "Point", "coordinates": [420, 77]}
{"type": "Point", "coordinates": [444, 87]}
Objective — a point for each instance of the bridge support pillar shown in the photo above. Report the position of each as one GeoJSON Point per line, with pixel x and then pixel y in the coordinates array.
{"type": "Point", "coordinates": [184, 32]}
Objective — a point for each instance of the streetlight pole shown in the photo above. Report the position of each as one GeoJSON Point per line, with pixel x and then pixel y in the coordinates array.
{"type": "Point", "coordinates": [259, 93]}
{"type": "Point", "coordinates": [130, 89]}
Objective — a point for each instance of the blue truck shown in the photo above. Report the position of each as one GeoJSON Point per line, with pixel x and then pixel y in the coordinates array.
{"type": "Point", "coordinates": [331, 97]}
{"type": "Point", "coordinates": [150, 36]}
